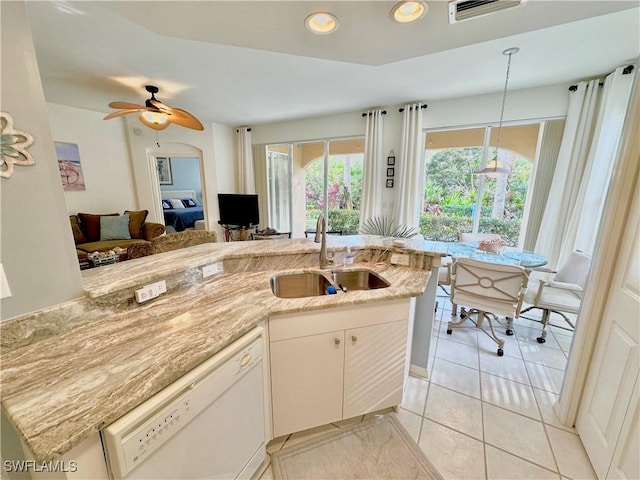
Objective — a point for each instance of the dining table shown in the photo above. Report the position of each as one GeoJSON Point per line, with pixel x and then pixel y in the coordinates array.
{"type": "Point", "coordinates": [507, 256]}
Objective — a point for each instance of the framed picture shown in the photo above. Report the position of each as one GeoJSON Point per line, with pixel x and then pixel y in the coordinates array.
{"type": "Point", "coordinates": [69, 165]}
{"type": "Point", "coordinates": [164, 171]}
{"type": "Point", "coordinates": [391, 160]}
{"type": "Point", "coordinates": [390, 172]}
{"type": "Point", "coordinates": [389, 182]}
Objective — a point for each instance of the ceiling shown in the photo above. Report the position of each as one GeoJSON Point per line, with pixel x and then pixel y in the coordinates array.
{"type": "Point", "coordinates": [252, 62]}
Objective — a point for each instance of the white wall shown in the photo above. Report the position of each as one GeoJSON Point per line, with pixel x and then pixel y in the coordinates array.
{"type": "Point", "coordinates": [104, 156]}
{"type": "Point", "coordinates": [36, 249]}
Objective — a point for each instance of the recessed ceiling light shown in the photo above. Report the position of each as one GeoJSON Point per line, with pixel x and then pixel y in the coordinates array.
{"type": "Point", "coordinates": [321, 22]}
{"type": "Point", "coordinates": [408, 11]}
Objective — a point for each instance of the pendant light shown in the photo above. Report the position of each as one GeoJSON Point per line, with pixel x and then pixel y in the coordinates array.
{"type": "Point", "coordinates": [494, 167]}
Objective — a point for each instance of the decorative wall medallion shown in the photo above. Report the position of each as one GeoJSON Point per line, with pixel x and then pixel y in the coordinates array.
{"type": "Point", "coordinates": [13, 144]}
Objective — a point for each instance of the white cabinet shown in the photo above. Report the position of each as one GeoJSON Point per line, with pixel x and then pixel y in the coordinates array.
{"type": "Point", "coordinates": [337, 363]}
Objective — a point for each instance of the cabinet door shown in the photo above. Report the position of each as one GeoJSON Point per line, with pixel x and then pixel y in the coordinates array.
{"type": "Point", "coordinates": [374, 367]}
{"type": "Point", "coordinates": [306, 381]}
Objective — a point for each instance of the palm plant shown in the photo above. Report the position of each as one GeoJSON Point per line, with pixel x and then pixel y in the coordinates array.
{"type": "Point", "coordinates": [386, 227]}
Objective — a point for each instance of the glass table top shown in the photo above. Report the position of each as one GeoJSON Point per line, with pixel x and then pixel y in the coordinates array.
{"type": "Point", "coordinates": [509, 256]}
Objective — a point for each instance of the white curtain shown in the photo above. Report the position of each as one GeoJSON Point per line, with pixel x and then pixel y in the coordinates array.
{"type": "Point", "coordinates": [410, 170]}
{"type": "Point", "coordinates": [371, 205]}
{"type": "Point", "coordinates": [585, 161]}
{"type": "Point", "coordinates": [245, 180]}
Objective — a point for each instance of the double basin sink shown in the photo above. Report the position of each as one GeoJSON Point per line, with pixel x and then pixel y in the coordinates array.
{"type": "Point", "coordinates": [312, 284]}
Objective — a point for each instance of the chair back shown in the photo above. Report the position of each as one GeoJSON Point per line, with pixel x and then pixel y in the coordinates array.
{"type": "Point", "coordinates": [490, 287]}
{"type": "Point", "coordinates": [575, 269]}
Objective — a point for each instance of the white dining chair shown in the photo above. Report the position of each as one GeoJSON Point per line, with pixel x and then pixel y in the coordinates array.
{"type": "Point", "coordinates": [563, 294]}
{"type": "Point", "coordinates": [487, 290]}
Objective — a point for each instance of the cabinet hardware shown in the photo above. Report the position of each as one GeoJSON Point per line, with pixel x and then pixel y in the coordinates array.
{"type": "Point", "coordinates": [354, 338]}
{"type": "Point", "coordinates": [337, 341]}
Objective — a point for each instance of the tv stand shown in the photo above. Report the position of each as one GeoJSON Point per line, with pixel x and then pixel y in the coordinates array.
{"type": "Point", "coordinates": [235, 233]}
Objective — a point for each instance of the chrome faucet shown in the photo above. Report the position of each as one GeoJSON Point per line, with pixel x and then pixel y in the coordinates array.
{"type": "Point", "coordinates": [321, 238]}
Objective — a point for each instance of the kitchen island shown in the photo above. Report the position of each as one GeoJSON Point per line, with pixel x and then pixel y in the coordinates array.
{"type": "Point", "coordinates": [107, 354]}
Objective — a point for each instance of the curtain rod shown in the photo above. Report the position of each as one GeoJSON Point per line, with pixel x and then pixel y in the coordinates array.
{"type": "Point", "coordinates": [384, 112]}
{"type": "Point", "coordinates": [238, 130]}
{"type": "Point", "coordinates": [422, 107]}
{"type": "Point", "coordinates": [627, 70]}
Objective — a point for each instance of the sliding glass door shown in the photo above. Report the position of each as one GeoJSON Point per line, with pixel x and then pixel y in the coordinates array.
{"type": "Point", "coordinates": [306, 179]}
{"type": "Point", "coordinates": [458, 200]}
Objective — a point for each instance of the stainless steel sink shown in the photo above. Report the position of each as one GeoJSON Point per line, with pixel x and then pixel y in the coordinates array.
{"type": "Point", "coordinates": [362, 279]}
{"type": "Point", "coordinates": [298, 285]}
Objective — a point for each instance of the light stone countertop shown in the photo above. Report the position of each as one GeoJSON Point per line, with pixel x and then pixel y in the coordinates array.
{"type": "Point", "coordinates": [60, 389]}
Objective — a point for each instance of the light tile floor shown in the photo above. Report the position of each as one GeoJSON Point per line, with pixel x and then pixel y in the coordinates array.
{"type": "Point", "coordinates": [480, 416]}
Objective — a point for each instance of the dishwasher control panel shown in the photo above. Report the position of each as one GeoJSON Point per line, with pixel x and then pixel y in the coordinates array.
{"type": "Point", "coordinates": [139, 433]}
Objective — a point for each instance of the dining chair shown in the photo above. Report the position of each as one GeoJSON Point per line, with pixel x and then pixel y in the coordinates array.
{"type": "Point", "coordinates": [563, 294]}
{"type": "Point", "coordinates": [488, 290]}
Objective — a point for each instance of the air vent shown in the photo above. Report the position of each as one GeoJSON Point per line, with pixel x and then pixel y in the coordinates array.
{"type": "Point", "coordinates": [460, 10]}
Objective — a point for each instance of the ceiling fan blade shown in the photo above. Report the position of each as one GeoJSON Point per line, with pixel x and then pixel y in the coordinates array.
{"type": "Point", "coordinates": [126, 106]}
{"type": "Point", "coordinates": [123, 112]}
{"type": "Point", "coordinates": [160, 106]}
{"type": "Point", "coordinates": [187, 120]}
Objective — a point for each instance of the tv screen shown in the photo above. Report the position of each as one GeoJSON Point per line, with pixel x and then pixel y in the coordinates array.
{"type": "Point", "coordinates": [237, 209]}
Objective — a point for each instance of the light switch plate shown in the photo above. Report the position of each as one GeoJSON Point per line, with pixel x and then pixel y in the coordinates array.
{"type": "Point", "coordinates": [211, 269]}
{"type": "Point", "coordinates": [399, 259]}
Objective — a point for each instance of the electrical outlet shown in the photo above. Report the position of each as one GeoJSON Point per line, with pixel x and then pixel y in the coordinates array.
{"type": "Point", "coordinates": [400, 259]}
{"type": "Point", "coordinates": [211, 269]}
{"type": "Point", "coordinates": [150, 291]}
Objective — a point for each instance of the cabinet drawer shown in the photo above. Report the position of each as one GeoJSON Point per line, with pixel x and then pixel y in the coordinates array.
{"type": "Point", "coordinates": [299, 324]}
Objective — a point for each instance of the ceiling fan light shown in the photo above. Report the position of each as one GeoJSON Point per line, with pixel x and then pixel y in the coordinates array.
{"type": "Point", "coordinates": [408, 11]}
{"type": "Point", "coordinates": [321, 23]}
{"type": "Point", "coordinates": [156, 118]}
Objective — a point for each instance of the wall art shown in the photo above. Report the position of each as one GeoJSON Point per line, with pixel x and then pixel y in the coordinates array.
{"type": "Point", "coordinates": [69, 165]}
{"type": "Point", "coordinates": [14, 144]}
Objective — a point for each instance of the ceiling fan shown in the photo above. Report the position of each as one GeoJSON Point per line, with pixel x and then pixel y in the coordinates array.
{"type": "Point", "coordinates": [155, 114]}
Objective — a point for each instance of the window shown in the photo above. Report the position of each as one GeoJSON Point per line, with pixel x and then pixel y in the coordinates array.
{"type": "Point", "coordinates": [458, 200]}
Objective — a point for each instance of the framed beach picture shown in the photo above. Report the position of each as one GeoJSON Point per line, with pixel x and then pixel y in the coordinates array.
{"type": "Point", "coordinates": [164, 171]}
{"type": "Point", "coordinates": [69, 165]}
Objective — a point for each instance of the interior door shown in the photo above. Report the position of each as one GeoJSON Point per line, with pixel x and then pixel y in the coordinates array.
{"type": "Point", "coordinates": [608, 418]}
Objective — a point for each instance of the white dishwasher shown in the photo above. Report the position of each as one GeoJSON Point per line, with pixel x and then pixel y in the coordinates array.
{"type": "Point", "coordinates": [208, 424]}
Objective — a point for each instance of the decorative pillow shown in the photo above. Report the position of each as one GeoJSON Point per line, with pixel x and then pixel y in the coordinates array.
{"type": "Point", "coordinates": [189, 202]}
{"type": "Point", "coordinates": [176, 203]}
{"type": "Point", "coordinates": [166, 204]}
{"type": "Point", "coordinates": [136, 219]}
{"type": "Point", "coordinates": [78, 236]}
{"type": "Point", "coordinates": [114, 228]}
{"type": "Point", "coordinates": [90, 224]}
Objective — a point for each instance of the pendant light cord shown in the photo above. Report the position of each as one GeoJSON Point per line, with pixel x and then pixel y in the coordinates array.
{"type": "Point", "coordinates": [504, 97]}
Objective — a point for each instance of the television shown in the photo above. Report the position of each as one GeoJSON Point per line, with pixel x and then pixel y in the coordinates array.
{"type": "Point", "coordinates": [238, 209]}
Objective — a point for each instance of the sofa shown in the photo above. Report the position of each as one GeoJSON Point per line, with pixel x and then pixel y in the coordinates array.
{"type": "Point", "coordinates": [104, 232]}
{"type": "Point", "coordinates": [171, 241]}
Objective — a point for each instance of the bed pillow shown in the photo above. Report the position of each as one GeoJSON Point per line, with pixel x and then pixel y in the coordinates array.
{"type": "Point", "coordinates": [166, 204]}
{"type": "Point", "coordinates": [136, 220]}
{"type": "Point", "coordinates": [115, 228]}
{"type": "Point", "coordinates": [189, 202]}
{"type": "Point", "coordinates": [176, 203]}
{"type": "Point", "coordinates": [90, 225]}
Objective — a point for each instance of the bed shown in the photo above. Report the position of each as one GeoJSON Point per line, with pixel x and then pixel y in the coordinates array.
{"type": "Point", "coordinates": [181, 218]}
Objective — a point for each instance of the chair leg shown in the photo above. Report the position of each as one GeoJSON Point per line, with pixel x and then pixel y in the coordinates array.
{"type": "Point", "coordinates": [509, 330]}
{"type": "Point", "coordinates": [480, 317]}
{"type": "Point", "coordinates": [545, 324]}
